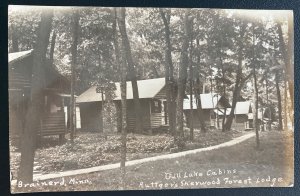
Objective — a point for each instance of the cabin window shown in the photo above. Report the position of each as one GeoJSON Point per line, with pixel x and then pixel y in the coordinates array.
{"type": "Point", "coordinates": [156, 106]}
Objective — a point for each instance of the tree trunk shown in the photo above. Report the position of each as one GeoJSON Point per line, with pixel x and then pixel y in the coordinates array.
{"type": "Point", "coordinates": [224, 93]}
{"type": "Point", "coordinates": [123, 87]}
{"type": "Point", "coordinates": [197, 91]}
{"type": "Point", "coordinates": [191, 83]}
{"type": "Point", "coordinates": [131, 70]}
{"type": "Point", "coordinates": [52, 46]}
{"type": "Point", "coordinates": [285, 106]}
{"type": "Point", "coordinates": [115, 40]}
{"type": "Point", "coordinates": [255, 109]}
{"type": "Point", "coordinates": [288, 57]}
{"type": "Point", "coordinates": [14, 40]}
{"type": "Point", "coordinates": [255, 94]}
{"type": "Point", "coordinates": [268, 105]}
{"type": "Point", "coordinates": [278, 100]}
{"type": "Point", "coordinates": [123, 130]}
{"type": "Point", "coordinates": [191, 120]}
{"type": "Point", "coordinates": [35, 110]}
{"type": "Point", "coordinates": [236, 93]}
{"type": "Point", "coordinates": [117, 67]}
{"type": "Point", "coordinates": [101, 89]}
{"type": "Point", "coordinates": [288, 54]}
{"type": "Point", "coordinates": [169, 78]}
{"type": "Point", "coordinates": [73, 64]}
{"type": "Point", "coordinates": [199, 105]}
{"type": "Point", "coordinates": [102, 113]}
{"type": "Point", "coordinates": [182, 80]}
{"type": "Point", "coordinates": [217, 115]}
{"type": "Point", "coordinates": [237, 86]}
{"type": "Point", "coordinates": [223, 119]}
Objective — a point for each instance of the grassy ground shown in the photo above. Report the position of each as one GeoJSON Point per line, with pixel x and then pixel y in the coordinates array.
{"type": "Point", "coordinates": [236, 166]}
{"type": "Point", "coordinates": [95, 149]}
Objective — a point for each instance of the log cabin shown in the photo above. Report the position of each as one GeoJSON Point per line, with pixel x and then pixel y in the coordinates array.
{"type": "Point", "coordinates": [56, 100]}
{"type": "Point", "coordinates": [152, 99]}
{"type": "Point", "coordinates": [209, 103]}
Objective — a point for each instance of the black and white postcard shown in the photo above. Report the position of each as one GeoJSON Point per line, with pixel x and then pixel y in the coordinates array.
{"type": "Point", "coordinates": [123, 98]}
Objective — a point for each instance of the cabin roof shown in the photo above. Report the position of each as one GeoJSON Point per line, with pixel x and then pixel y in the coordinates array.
{"type": "Point", "coordinates": [208, 101]}
{"type": "Point", "coordinates": [242, 107]}
{"type": "Point", "coordinates": [64, 95]}
{"type": "Point", "coordinates": [16, 56]}
{"type": "Point", "coordinates": [147, 89]}
{"type": "Point", "coordinates": [52, 76]}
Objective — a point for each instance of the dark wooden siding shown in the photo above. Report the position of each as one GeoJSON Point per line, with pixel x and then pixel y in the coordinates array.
{"type": "Point", "coordinates": [53, 117]}
{"type": "Point", "coordinates": [156, 120]}
{"type": "Point", "coordinates": [90, 114]}
{"type": "Point", "coordinates": [53, 124]}
{"type": "Point", "coordinates": [241, 118]}
{"type": "Point", "coordinates": [131, 118]}
{"type": "Point", "coordinates": [238, 126]}
{"type": "Point", "coordinates": [161, 94]}
{"type": "Point", "coordinates": [19, 73]}
{"type": "Point", "coordinates": [196, 121]}
{"type": "Point", "coordinates": [240, 122]}
{"type": "Point", "coordinates": [15, 122]}
{"type": "Point", "coordinates": [18, 81]}
{"type": "Point", "coordinates": [18, 102]}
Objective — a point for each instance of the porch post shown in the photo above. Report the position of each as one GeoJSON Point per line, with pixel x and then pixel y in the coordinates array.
{"type": "Point", "coordinates": [119, 116]}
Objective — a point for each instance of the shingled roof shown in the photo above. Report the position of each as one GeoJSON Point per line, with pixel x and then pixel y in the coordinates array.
{"type": "Point", "coordinates": [147, 89]}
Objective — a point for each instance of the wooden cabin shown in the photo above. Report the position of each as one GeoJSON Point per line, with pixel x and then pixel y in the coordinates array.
{"type": "Point", "coordinates": [220, 114]}
{"type": "Point", "coordinates": [241, 120]}
{"type": "Point", "coordinates": [53, 120]}
{"type": "Point", "coordinates": [241, 116]}
{"type": "Point", "coordinates": [264, 115]}
{"type": "Point", "coordinates": [209, 103]}
{"type": "Point", "coordinates": [152, 100]}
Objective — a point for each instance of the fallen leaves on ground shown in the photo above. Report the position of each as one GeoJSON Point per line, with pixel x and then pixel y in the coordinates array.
{"type": "Point", "coordinates": [95, 149]}
{"type": "Point", "coordinates": [275, 160]}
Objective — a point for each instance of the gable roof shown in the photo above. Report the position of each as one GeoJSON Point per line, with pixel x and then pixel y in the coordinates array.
{"type": "Point", "coordinates": [242, 107]}
{"type": "Point", "coordinates": [147, 89]}
{"type": "Point", "coordinates": [16, 56]}
{"type": "Point", "coordinates": [52, 77]}
{"type": "Point", "coordinates": [208, 101]}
